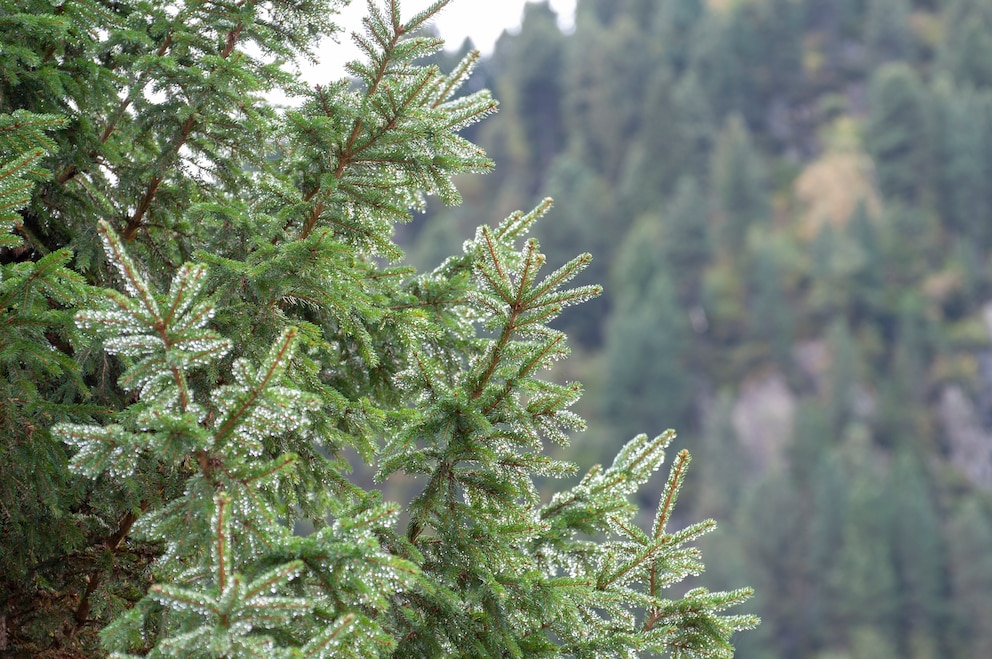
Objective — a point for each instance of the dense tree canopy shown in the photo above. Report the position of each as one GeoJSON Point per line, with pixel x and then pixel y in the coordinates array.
{"type": "Point", "coordinates": [206, 325]}
{"type": "Point", "coordinates": [794, 197]}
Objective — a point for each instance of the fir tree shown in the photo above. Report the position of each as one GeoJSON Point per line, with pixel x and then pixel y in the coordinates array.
{"type": "Point", "coordinates": [898, 137]}
{"type": "Point", "coordinates": [647, 340]}
{"type": "Point", "coordinates": [738, 185]}
{"type": "Point", "coordinates": [204, 312]}
{"type": "Point", "coordinates": [964, 149]}
{"type": "Point", "coordinates": [966, 48]}
{"type": "Point", "coordinates": [971, 576]}
{"type": "Point", "coordinates": [887, 32]}
{"type": "Point", "coordinates": [675, 22]}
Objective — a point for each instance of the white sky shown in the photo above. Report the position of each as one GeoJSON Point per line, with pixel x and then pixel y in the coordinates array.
{"type": "Point", "coordinates": [482, 20]}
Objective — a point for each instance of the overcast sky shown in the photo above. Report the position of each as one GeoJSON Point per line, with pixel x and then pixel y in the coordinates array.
{"type": "Point", "coordinates": [482, 20]}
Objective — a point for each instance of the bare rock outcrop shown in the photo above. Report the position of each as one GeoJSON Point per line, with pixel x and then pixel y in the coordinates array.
{"type": "Point", "coordinates": [763, 417]}
{"type": "Point", "coordinates": [969, 444]}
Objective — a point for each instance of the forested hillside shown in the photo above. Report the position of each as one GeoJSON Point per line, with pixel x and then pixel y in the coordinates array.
{"type": "Point", "coordinates": [789, 202]}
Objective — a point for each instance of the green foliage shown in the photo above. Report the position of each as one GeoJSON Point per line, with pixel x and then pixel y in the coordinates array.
{"type": "Point", "coordinates": [963, 52]}
{"type": "Point", "coordinates": [887, 35]}
{"type": "Point", "coordinates": [739, 183]}
{"type": "Point", "coordinates": [602, 74]}
{"type": "Point", "coordinates": [970, 563]}
{"type": "Point", "coordinates": [799, 190]}
{"type": "Point", "coordinates": [675, 23]}
{"type": "Point", "coordinates": [647, 338]}
{"type": "Point", "coordinates": [39, 378]}
{"type": "Point", "coordinates": [23, 141]}
{"type": "Point", "coordinates": [205, 320]}
{"type": "Point", "coordinates": [898, 133]}
{"type": "Point", "coordinates": [687, 243]}
{"type": "Point", "coordinates": [964, 148]}
{"type": "Point", "coordinates": [771, 320]}
{"type": "Point", "coordinates": [535, 66]}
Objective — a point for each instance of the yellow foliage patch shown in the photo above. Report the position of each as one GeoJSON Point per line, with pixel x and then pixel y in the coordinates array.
{"type": "Point", "coordinates": [829, 190]}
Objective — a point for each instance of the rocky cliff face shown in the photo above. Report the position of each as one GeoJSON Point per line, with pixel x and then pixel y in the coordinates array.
{"type": "Point", "coordinates": [968, 443]}
{"type": "Point", "coordinates": [762, 417]}
{"type": "Point", "coordinates": [966, 419]}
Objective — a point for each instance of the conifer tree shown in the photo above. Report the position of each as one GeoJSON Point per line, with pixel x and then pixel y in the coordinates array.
{"type": "Point", "coordinates": [535, 65]}
{"type": "Point", "coordinates": [656, 160]}
{"type": "Point", "coordinates": [675, 22]}
{"type": "Point", "coordinates": [738, 185]}
{"type": "Point", "coordinates": [204, 313]}
{"type": "Point", "coordinates": [647, 338]}
{"type": "Point", "coordinates": [898, 137]}
{"type": "Point", "coordinates": [964, 149]}
{"type": "Point", "coordinates": [971, 576]}
{"type": "Point", "coordinates": [686, 238]}
{"type": "Point", "coordinates": [887, 32]}
{"type": "Point", "coordinates": [966, 48]}
{"type": "Point", "coordinates": [918, 554]}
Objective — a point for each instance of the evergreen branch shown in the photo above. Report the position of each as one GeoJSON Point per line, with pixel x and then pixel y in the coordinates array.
{"type": "Point", "coordinates": [559, 277]}
{"type": "Point", "coordinates": [23, 140]}
{"type": "Point", "coordinates": [458, 77]}
{"type": "Point", "coordinates": [628, 529]}
{"type": "Point", "coordinates": [95, 579]}
{"type": "Point", "coordinates": [641, 457]}
{"type": "Point", "coordinates": [222, 543]}
{"type": "Point", "coordinates": [72, 170]}
{"type": "Point", "coordinates": [607, 579]}
{"type": "Point", "coordinates": [495, 261]}
{"type": "Point", "coordinates": [517, 223]}
{"type": "Point", "coordinates": [532, 261]}
{"type": "Point", "coordinates": [495, 357]}
{"type": "Point", "coordinates": [182, 598]}
{"type": "Point", "coordinates": [346, 153]}
{"type": "Point", "coordinates": [277, 466]}
{"type": "Point", "coordinates": [134, 223]}
{"type": "Point", "coordinates": [675, 479]}
{"type": "Point", "coordinates": [396, 111]}
{"type": "Point", "coordinates": [330, 637]}
{"type": "Point", "coordinates": [134, 281]}
{"type": "Point", "coordinates": [525, 369]}
{"type": "Point", "coordinates": [100, 448]}
{"type": "Point", "coordinates": [178, 333]}
{"type": "Point", "coordinates": [515, 304]}
{"type": "Point", "coordinates": [268, 582]}
{"type": "Point", "coordinates": [280, 352]}
{"type": "Point", "coordinates": [349, 154]}
{"type": "Point", "coordinates": [16, 168]}
{"type": "Point", "coordinates": [463, 112]}
{"type": "Point", "coordinates": [421, 17]}
{"type": "Point", "coordinates": [540, 319]}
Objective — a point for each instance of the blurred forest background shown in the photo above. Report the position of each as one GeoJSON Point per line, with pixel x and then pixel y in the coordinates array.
{"type": "Point", "coordinates": [790, 204]}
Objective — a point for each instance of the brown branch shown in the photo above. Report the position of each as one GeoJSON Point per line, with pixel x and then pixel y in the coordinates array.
{"type": "Point", "coordinates": [516, 307]}
{"type": "Point", "coordinates": [222, 541]}
{"type": "Point", "coordinates": [682, 462]}
{"type": "Point", "coordinates": [664, 514]}
{"type": "Point", "coordinates": [112, 543]}
{"type": "Point", "coordinates": [232, 40]}
{"type": "Point", "coordinates": [456, 77]}
{"type": "Point", "coordinates": [135, 222]}
{"type": "Point", "coordinates": [522, 373]}
{"type": "Point", "coordinates": [71, 170]}
{"type": "Point", "coordinates": [231, 422]}
{"type": "Point", "coordinates": [51, 49]}
{"type": "Point", "coordinates": [349, 151]}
